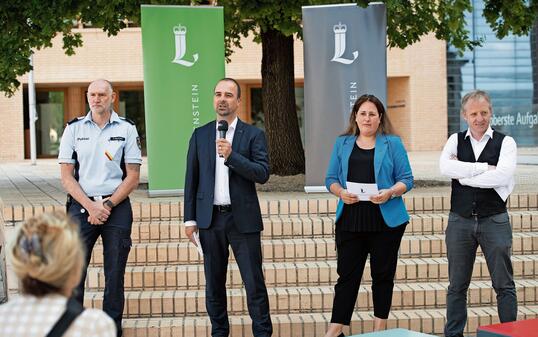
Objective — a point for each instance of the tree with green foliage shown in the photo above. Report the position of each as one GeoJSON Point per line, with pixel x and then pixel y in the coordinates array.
{"type": "Point", "coordinates": [272, 23]}
{"type": "Point", "coordinates": [26, 26]}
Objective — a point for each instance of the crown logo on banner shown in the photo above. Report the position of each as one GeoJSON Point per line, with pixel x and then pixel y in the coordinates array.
{"type": "Point", "coordinates": [179, 29]}
{"type": "Point", "coordinates": [180, 35]}
{"type": "Point", "coordinates": [340, 45]}
{"type": "Point", "coordinates": [340, 28]}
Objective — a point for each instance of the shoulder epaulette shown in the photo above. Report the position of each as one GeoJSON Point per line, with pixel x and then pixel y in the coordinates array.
{"type": "Point", "coordinates": [130, 121]}
{"type": "Point", "coordinates": [74, 120]}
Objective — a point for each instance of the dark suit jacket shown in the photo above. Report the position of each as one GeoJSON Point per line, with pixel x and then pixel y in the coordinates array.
{"type": "Point", "coordinates": [248, 164]}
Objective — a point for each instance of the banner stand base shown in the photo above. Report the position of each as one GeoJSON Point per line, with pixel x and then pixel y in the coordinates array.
{"type": "Point", "coordinates": [315, 189]}
{"type": "Point", "coordinates": [165, 193]}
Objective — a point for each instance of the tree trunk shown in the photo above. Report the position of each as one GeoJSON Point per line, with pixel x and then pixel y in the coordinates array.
{"type": "Point", "coordinates": [278, 102]}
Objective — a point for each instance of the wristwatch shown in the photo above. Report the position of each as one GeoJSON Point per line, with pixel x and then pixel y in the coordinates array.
{"type": "Point", "coordinates": [109, 203]}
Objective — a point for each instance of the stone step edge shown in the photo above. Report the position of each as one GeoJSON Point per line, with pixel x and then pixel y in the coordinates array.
{"type": "Point", "coordinates": [190, 277]}
{"type": "Point", "coordinates": [521, 284]}
{"type": "Point", "coordinates": [285, 250]}
{"type": "Point", "coordinates": [289, 226]}
{"type": "Point", "coordinates": [307, 217]}
{"type": "Point", "coordinates": [300, 299]}
{"type": "Point", "coordinates": [172, 210]}
{"type": "Point", "coordinates": [315, 324]}
{"type": "Point", "coordinates": [326, 239]}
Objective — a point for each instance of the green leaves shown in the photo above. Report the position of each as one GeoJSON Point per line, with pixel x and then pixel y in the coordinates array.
{"type": "Point", "coordinates": [31, 25]}
{"type": "Point", "coordinates": [505, 17]}
{"type": "Point", "coordinates": [408, 21]}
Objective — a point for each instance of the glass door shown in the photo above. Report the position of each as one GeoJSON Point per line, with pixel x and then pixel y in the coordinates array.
{"type": "Point", "coordinates": [50, 122]}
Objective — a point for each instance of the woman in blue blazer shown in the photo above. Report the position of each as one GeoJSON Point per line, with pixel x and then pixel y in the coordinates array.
{"type": "Point", "coordinates": [367, 153]}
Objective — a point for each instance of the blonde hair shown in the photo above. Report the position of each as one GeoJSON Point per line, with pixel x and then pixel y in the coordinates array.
{"type": "Point", "coordinates": [45, 252]}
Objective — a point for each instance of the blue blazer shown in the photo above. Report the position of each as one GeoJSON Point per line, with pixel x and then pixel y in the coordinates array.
{"type": "Point", "coordinates": [391, 165]}
{"type": "Point", "coordinates": [248, 164]}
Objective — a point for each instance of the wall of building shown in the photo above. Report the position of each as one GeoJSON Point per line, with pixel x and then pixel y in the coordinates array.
{"type": "Point", "coordinates": [11, 121]}
{"type": "Point", "coordinates": [424, 119]}
{"type": "Point", "coordinates": [117, 58]}
{"type": "Point", "coordinates": [398, 109]}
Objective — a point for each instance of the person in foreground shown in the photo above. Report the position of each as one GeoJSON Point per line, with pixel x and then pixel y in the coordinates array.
{"type": "Point", "coordinates": [47, 256]}
{"type": "Point", "coordinates": [100, 161]}
{"type": "Point", "coordinates": [221, 205]}
{"type": "Point", "coordinates": [367, 152]}
{"type": "Point", "coordinates": [481, 163]}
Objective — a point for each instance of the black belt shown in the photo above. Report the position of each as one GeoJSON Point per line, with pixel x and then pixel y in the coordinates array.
{"type": "Point", "coordinates": [222, 208]}
{"type": "Point", "coordinates": [94, 198]}
{"type": "Point", "coordinates": [475, 214]}
{"type": "Point", "coordinates": [70, 198]}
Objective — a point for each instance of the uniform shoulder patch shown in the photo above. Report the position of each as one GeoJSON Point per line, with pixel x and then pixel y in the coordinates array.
{"type": "Point", "coordinates": [130, 121]}
{"type": "Point", "coordinates": [74, 120]}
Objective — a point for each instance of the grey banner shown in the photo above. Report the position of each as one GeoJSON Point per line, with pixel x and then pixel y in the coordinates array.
{"type": "Point", "coordinates": [344, 57]}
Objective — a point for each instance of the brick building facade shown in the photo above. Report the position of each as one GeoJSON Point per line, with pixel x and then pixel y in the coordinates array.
{"type": "Point", "coordinates": [417, 86]}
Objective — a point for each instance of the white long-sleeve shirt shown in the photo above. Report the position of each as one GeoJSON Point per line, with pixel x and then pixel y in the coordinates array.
{"type": "Point", "coordinates": [501, 179]}
{"type": "Point", "coordinates": [222, 186]}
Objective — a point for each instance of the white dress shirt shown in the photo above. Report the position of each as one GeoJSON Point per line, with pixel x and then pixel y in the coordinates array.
{"type": "Point", "coordinates": [501, 179]}
{"type": "Point", "coordinates": [222, 187]}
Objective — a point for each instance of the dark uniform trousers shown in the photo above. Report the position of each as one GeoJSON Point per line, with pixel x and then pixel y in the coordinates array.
{"type": "Point", "coordinates": [116, 237]}
{"type": "Point", "coordinates": [247, 251]}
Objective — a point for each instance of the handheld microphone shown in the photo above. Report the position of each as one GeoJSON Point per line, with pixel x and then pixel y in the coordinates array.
{"type": "Point", "coordinates": [222, 128]}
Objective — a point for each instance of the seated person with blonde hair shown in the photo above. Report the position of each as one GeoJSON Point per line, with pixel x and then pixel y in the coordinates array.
{"type": "Point", "coordinates": [47, 257]}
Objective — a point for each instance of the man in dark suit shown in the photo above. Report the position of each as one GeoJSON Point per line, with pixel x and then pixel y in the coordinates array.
{"type": "Point", "coordinates": [221, 205]}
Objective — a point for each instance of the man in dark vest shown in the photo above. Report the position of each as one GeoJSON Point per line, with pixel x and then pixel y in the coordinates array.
{"type": "Point", "coordinates": [481, 163]}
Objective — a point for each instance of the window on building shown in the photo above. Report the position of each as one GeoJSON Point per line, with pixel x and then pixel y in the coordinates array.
{"type": "Point", "coordinates": [131, 105]}
{"type": "Point", "coordinates": [503, 68]}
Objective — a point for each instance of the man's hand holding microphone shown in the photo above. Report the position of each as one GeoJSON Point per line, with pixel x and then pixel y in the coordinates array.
{"type": "Point", "coordinates": [224, 148]}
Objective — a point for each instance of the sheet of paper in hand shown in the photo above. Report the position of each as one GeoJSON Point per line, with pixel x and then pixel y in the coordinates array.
{"type": "Point", "coordinates": [363, 191]}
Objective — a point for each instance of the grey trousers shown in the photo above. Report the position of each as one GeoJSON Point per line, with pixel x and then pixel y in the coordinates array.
{"type": "Point", "coordinates": [463, 236]}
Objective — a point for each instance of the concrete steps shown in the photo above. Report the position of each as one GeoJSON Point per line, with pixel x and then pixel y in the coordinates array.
{"type": "Point", "coordinates": [165, 281]}
{"type": "Point", "coordinates": [318, 205]}
{"type": "Point", "coordinates": [429, 321]}
{"type": "Point", "coordinates": [300, 249]}
{"type": "Point", "coordinates": [291, 226]}
{"type": "Point", "coordinates": [286, 299]}
{"type": "Point", "coordinates": [306, 273]}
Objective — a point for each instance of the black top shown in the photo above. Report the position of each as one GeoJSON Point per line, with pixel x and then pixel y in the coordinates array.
{"type": "Point", "coordinates": [363, 216]}
{"type": "Point", "coordinates": [466, 200]}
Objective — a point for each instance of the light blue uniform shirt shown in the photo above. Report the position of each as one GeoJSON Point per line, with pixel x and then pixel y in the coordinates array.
{"type": "Point", "coordinates": [100, 153]}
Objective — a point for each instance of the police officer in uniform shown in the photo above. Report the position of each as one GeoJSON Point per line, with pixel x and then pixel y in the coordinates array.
{"type": "Point", "coordinates": [100, 166]}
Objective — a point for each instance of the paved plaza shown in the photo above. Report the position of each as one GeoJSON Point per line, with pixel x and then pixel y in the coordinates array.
{"type": "Point", "coordinates": [26, 184]}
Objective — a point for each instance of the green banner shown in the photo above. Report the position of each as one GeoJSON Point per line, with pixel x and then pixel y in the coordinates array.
{"type": "Point", "coordinates": [183, 49]}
